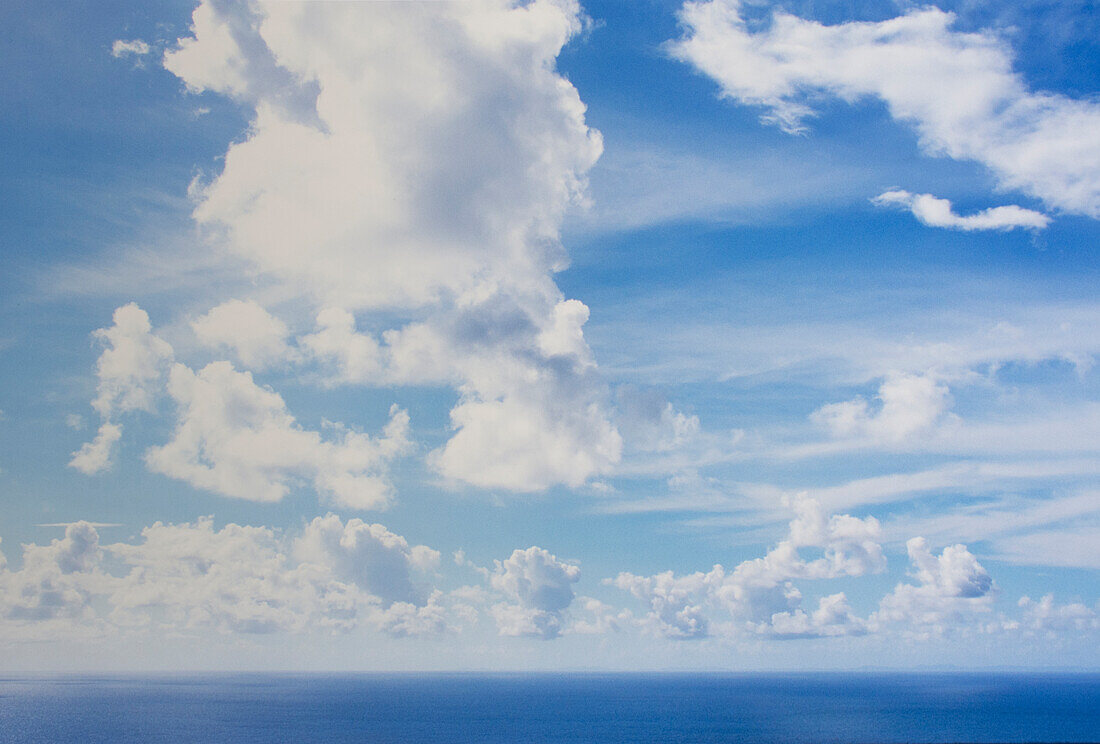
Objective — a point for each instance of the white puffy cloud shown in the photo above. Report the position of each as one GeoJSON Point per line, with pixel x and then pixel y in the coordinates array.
{"type": "Point", "coordinates": [257, 338]}
{"type": "Point", "coordinates": [677, 604]}
{"type": "Point", "coordinates": [957, 89]}
{"type": "Point", "coordinates": [419, 177]}
{"type": "Point", "coordinates": [251, 579]}
{"type": "Point", "coordinates": [238, 579]}
{"type": "Point", "coordinates": [758, 594]}
{"type": "Point", "coordinates": [528, 416]}
{"type": "Point", "coordinates": [953, 573]}
{"type": "Point", "coordinates": [1044, 615]}
{"type": "Point", "coordinates": [417, 160]}
{"type": "Point", "coordinates": [53, 583]}
{"type": "Point", "coordinates": [355, 356]}
{"type": "Point", "coordinates": [236, 438]}
{"type": "Point", "coordinates": [952, 586]}
{"type": "Point", "coordinates": [95, 456]}
{"type": "Point", "coordinates": [911, 404]}
{"type": "Point", "coordinates": [131, 370]}
{"type": "Point", "coordinates": [934, 212]}
{"type": "Point", "coordinates": [528, 441]}
{"type": "Point", "coordinates": [232, 436]}
{"type": "Point", "coordinates": [540, 589]}
{"type": "Point", "coordinates": [833, 617]}
{"type": "Point", "coordinates": [375, 559]}
{"type": "Point", "coordinates": [132, 365]}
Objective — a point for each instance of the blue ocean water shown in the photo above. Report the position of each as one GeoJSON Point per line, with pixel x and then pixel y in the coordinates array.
{"type": "Point", "coordinates": [512, 708]}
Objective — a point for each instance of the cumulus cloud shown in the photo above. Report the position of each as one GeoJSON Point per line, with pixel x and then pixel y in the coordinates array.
{"type": "Point", "coordinates": [355, 357]}
{"type": "Point", "coordinates": [540, 587]}
{"type": "Point", "coordinates": [951, 586]}
{"type": "Point", "coordinates": [417, 160]}
{"type": "Point", "coordinates": [258, 339]}
{"type": "Point", "coordinates": [95, 456]}
{"type": "Point", "coordinates": [56, 581]}
{"type": "Point", "coordinates": [132, 365]}
{"type": "Point", "coordinates": [375, 559]}
{"type": "Point", "coordinates": [934, 212]}
{"type": "Point", "coordinates": [233, 436]}
{"type": "Point", "coordinates": [910, 404]}
{"type": "Point", "coordinates": [528, 417]}
{"type": "Point", "coordinates": [957, 89]}
{"type": "Point", "coordinates": [833, 617]}
{"type": "Point", "coordinates": [130, 370]}
{"type": "Point", "coordinates": [758, 594]}
{"type": "Point", "coordinates": [1046, 616]}
{"type": "Point", "coordinates": [240, 579]}
{"type": "Point", "coordinates": [237, 438]}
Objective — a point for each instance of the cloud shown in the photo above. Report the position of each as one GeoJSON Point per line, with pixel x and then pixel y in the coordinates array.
{"type": "Point", "coordinates": [252, 580]}
{"type": "Point", "coordinates": [1073, 544]}
{"type": "Point", "coordinates": [540, 587]}
{"type": "Point", "coordinates": [355, 356]}
{"type": "Point", "coordinates": [386, 227]}
{"type": "Point", "coordinates": [375, 559]}
{"type": "Point", "coordinates": [134, 47]}
{"type": "Point", "coordinates": [935, 212]}
{"type": "Point", "coordinates": [833, 617]}
{"type": "Point", "coordinates": [758, 594]}
{"type": "Point", "coordinates": [533, 411]}
{"type": "Point", "coordinates": [951, 586]}
{"type": "Point", "coordinates": [132, 365]}
{"type": "Point", "coordinates": [95, 456]}
{"type": "Point", "coordinates": [1046, 530]}
{"type": "Point", "coordinates": [910, 404]}
{"type": "Point", "coordinates": [412, 164]}
{"type": "Point", "coordinates": [1045, 616]}
{"type": "Point", "coordinates": [650, 423]}
{"type": "Point", "coordinates": [528, 441]}
{"type": "Point", "coordinates": [52, 583]}
{"type": "Point", "coordinates": [957, 89]}
{"type": "Point", "coordinates": [676, 604]}
{"type": "Point", "coordinates": [237, 439]}
{"type": "Point", "coordinates": [130, 371]}
{"type": "Point", "coordinates": [237, 579]}
{"type": "Point", "coordinates": [258, 339]}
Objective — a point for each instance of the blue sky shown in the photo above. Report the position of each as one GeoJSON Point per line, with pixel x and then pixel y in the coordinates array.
{"type": "Point", "coordinates": [538, 336]}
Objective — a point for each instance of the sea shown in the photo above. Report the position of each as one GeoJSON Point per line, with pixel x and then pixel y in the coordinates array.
{"type": "Point", "coordinates": [470, 708]}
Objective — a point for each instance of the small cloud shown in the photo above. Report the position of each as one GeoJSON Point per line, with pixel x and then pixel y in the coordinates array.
{"type": "Point", "coordinates": [935, 212]}
{"type": "Point", "coordinates": [95, 456]}
{"type": "Point", "coordinates": [132, 48]}
{"type": "Point", "coordinates": [74, 421]}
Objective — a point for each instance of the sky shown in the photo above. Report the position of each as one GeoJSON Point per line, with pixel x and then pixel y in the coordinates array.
{"type": "Point", "coordinates": [504, 335]}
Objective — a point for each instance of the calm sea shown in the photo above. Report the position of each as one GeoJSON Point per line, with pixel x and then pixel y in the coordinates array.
{"type": "Point", "coordinates": [609, 709]}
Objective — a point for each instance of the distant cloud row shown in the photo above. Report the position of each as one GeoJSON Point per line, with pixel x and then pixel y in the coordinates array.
{"type": "Point", "coordinates": [340, 575]}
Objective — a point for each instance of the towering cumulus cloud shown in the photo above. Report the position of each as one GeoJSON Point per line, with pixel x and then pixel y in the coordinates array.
{"type": "Point", "coordinates": [416, 160]}
{"type": "Point", "coordinates": [541, 586]}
